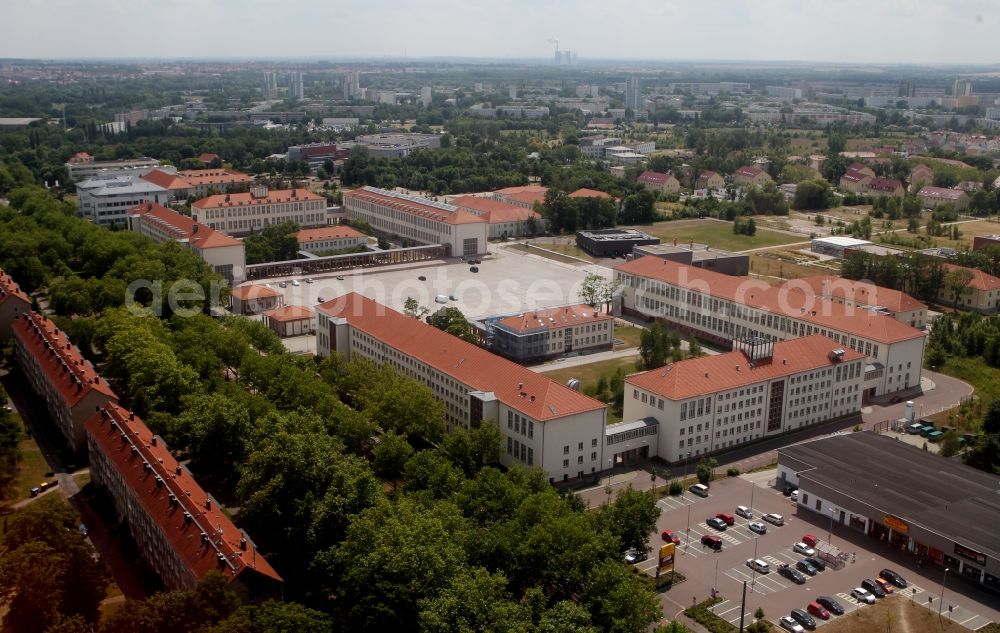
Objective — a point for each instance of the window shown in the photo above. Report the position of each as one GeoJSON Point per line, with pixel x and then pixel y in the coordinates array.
{"type": "Point", "coordinates": [565, 463]}
{"type": "Point", "coordinates": [579, 446]}
{"type": "Point", "coordinates": [579, 460]}
{"type": "Point", "coordinates": [593, 456]}
{"type": "Point", "coordinates": [593, 442]}
{"type": "Point", "coordinates": [566, 450]}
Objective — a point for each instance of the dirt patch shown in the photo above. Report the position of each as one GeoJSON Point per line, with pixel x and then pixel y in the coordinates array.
{"type": "Point", "coordinates": [894, 614]}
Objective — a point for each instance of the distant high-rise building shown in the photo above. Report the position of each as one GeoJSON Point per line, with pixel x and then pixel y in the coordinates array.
{"type": "Point", "coordinates": [633, 94]}
{"type": "Point", "coordinates": [906, 89]}
{"type": "Point", "coordinates": [961, 88]}
{"type": "Point", "coordinates": [269, 85]}
{"type": "Point", "coordinates": [426, 96]}
{"type": "Point", "coordinates": [295, 90]}
{"type": "Point", "coordinates": [512, 92]}
{"type": "Point", "coordinates": [352, 85]}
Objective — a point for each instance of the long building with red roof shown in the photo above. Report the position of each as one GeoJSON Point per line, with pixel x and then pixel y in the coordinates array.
{"type": "Point", "coordinates": [180, 530]}
{"type": "Point", "coordinates": [862, 294]}
{"type": "Point", "coordinates": [505, 219]}
{"type": "Point", "coordinates": [543, 333]}
{"type": "Point", "coordinates": [68, 384]}
{"type": "Point", "coordinates": [330, 238]}
{"type": "Point", "coordinates": [724, 308]}
{"type": "Point", "coordinates": [762, 388]}
{"type": "Point", "coordinates": [543, 423]}
{"type": "Point", "coordinates": [421, 220]}
{"type": "Point", "coordinates": [242, 213]}
{"type": "Point", "coordinates": [524, 196]}
{"type": "Point", "coordinates": [13, 303]}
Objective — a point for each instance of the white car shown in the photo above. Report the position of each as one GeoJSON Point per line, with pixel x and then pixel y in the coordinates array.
{"type": "Point", "coordinates": [863, 595]}
{"type": "Point", "coordinates": [776, 519]}
{"type": "Point", "coordinates": [758, 527]}
{"type": "Point", "coordinates": [794, 496]}
{"type": "Point", "coordinates": [802, 548]}
{"type": "Point", "coordinates": [295, 282]}
{"type": "Point", "coordinates": [789, 624]}
{"type": "Point", "coordinates": [758, 566]}
{"type": "Point", "coordinates": [744, 512]}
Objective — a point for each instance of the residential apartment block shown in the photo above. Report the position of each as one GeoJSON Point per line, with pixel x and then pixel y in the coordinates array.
{"type": "Point", "coordinates": [419, 220]}
{"type": "Point", "coordinates": [710, 180]}
{"type": "Point", "coordinates": [663, 183]}
{"type": "Point", "coordinates": [749, 175]}
{"type": "Point", "coordinates": [760, 389]}
{"type": "Point", "coordinates": [226, 255]}
{"type": "Point", "coordinates": [241, 213]}
{"type": "Point", "coordinates": [330, 238]}
{"type": "Point", "coordinates": [13, 303]}
{"type": "Point", "coordinates": [933, 197]}
{"type": "Point", "coordinates": [179, 529]}
{"type": "Point", "coordinates": [723, 308]}
{"type": "Point", "coordinates": [540, 334]}
{"type": "Point", "coordinates": [543, 423]}
{"type": "Point", "coordinates": [981, 294]}
{"type": "Point", "coordinates": [66, 382]}
{"type": "Point", "coordinates": [505, 219]}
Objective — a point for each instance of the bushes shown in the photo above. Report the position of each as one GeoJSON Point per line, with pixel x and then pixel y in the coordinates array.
{"type": "Point", "coordinates": [700, 613]}
{"type": "Point", "coordinates": [676, 488]}
{"type": "Point", "coordinates": [733, 472]}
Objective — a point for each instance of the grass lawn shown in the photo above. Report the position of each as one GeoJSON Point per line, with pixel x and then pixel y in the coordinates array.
{"type": "Point", "coordinates": [31, 471]}
{"type": "Point", "coordinates": [566, 249]}
{"type": "Point", "coordinates": [773, 266]}
{"type": "Point", "coordinates": [716, 234]}
{"type": "Point", "coordinates": [893, 613]}
{"type": "Point", "coordinates": [629, 335]}
{"type": "Point", "coordinates": [590, 373]}
{"type": "Point", "coordinates": [984, 379]}
{"type": "Point", "coordinates": [969, 230]}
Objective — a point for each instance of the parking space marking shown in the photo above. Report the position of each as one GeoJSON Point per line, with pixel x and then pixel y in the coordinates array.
{"type": "Point", "coordinates": [850, 599]}
{"type": "Point", "coordinates": [729, 611]}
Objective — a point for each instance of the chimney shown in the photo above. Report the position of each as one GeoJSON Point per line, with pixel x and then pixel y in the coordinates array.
{"type": "Point", "coordinates": [194, 228]}
{"type": "Point", "coordinates": [153, 441]}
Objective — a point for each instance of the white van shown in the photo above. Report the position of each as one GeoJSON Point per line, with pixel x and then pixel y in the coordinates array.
{"type": "Point", "coordinates": [699, 489]}
{"type": "Point", "coordinates": [758, 566]}
{"type": "Point", "coordinates": [744, 512]}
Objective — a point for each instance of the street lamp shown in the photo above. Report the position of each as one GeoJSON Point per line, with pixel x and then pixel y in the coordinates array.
{"type": "Point", "coordinates": [941, 599]}
{"type": "Point", "coordinates": [829, 537]}
{"type": "Point", "coordinates": [753, 487]}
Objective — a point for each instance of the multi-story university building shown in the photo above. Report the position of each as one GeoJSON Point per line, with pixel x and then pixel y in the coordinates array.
{"type": "Point", "coordinates": [82, 166]}
{"type": "Point", "coordinates": [68, 384]}
{"type": "Point", "coordinates": [762, 388]}
{"type": "Point", "coordinates": [724, 308]}
{"type": "Point", "coordinates": [504, 218]}
{"type": "Point", "coordinates": [419, 220]}
{"type": "Point", "coordinates": [226, 255]}
{"type": "Point", "coordinates": [551, 332]}
{"type": "Point", "coordinates": [179, 529]}
{"type": "Point", "coordinates": [241, 213]}
{"type": "Point", "coordinates": [543, 423]}
{"type": "Point", "coordinates": [13, 303]}
{"type": "Point", "coordinates": [330, 238]}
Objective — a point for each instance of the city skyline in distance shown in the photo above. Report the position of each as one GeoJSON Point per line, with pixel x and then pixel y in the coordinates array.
{"type": "Point", "coordinates": [844, 32]}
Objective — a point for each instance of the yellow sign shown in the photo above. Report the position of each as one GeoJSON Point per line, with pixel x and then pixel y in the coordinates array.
{"type": "Point", "coordinates": [666, 562]}
{"type": "Point", "coordinates": [896, 524]}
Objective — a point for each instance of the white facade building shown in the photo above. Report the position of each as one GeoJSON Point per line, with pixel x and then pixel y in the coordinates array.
{"type": "Point", "coordinates": [241, 213]}
{"type": "Point", "coordinates": [543, 423]}
{"type": "Point", "coordinates": [106, 200]}
{"type": "Point", "coordinates": [83, 166]}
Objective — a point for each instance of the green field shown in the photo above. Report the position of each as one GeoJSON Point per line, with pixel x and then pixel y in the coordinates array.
{"type": "Point", "coordinates": [629, 335]}
{"type": "Point", "coordinates": [590, 373]}
{"type": "Point", "coordinates": [983, 378]}
{"type": "Point", "coordinates": [716, 234]}
{"type": "Point", "coordinates": [31, 471]}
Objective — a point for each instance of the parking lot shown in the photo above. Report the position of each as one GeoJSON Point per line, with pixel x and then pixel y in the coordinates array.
{"type": "Point", "coordinates": [726, 570]}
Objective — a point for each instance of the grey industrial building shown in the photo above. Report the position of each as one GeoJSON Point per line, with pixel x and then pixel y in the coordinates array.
{"type": "Point", "coordinates": [938, 509]}
{"type": "Point", "coordinates": [613, 242]}
{"type": "Point", "coordinates": [699, 256]}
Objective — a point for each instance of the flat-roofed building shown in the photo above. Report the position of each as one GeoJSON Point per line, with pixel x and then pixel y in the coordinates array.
{"type": "Point", "coordinates": [82, 166]}
{"type": "Point", "coordinates": [291, 320]}
{"type": "Point", "coordinates": [539, 334]}
{"type": "Point", "coordinates": [255, 299]}
{"type": "Point", "coordinates": [14, 302]}
{"type": "Point", "coordinates": [419, 220]}
{"type": "Point", "coordinates": [505, 219]}
{"type": "Point", "coordinates": [613, 242]}
{"type": "Point", "coordinates": [396, 145]}
{"type": "Point", "coordinates": [837, 245]}
{"type": "Point", "coordinates": [106, 200]}
{"type": "Point", "coordinates": [723, 308]}
{"type": "Point", "coordinates": [226, 255]}
{"type": "Point", "coordinates": [242, 213]}
{"type": "Point", "coordinates": [330, 238]}
{"type": "Point", "coordinates": [65, 381]}
{"type": "Point", "coordinates": [542, 423]}
{"type": "Point", "coordinates": [760, 389]}
{"type": "Point", "coordinates": [699, 255]}
{"type": "Point", "coordinates": [180, 531]}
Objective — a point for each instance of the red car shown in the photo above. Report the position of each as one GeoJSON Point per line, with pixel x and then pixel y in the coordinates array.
{"type": "Point", "coordinates": [725, 516]}
{"type": "Point", "coordinates": [671, 536]}
{"type": "Point", "coordinates": [818, 610]}
{"type": "Point", "coordinates": [810, 540]}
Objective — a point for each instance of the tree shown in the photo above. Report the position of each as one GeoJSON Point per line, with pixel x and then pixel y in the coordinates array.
{"type": "Point", "coordinates": [705, 471]}
{"type": "Point", "coordinates": [813, 194]}
{"type": "Point", "coordinates": [654, 346]}
{"type": "Point", "coordinates": [476, 600]}
{"type": "Point", "coordinates": [391, 455]}
{"type": "Point", "coordinates": [631, 518]}
{"type": "Point", "coordinates": [619, 601]}
{"type": "Point", "coordinates": [956, 281]}
{"type": "Point", "coordinates": [411, 308]}
{"type": "Point", "coordinates": [595, 290]}
{"type": "Point", "coordinates": [991, 421]}
{"type": "Point", "coordinates": [638, 208]}
{"type": "Point", "coordinates": [10, 454]}
{"type": "Point", "coordinates": [452, 321]}
{"type": "Point", "coordinates": [950, 444]}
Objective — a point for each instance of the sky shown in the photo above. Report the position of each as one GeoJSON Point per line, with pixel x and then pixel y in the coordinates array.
{"type": "Point", "coordinates": [853, 31]}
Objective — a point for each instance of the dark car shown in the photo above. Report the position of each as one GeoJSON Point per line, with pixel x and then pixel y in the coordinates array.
{"type": "Point", "coordinates": [713, 542]}
{"type": "Point", "coordinates": [474, 269]}
{"type": "Point", "coordinates": [804, 565]}
{"type": "Point", "coordinates": [817, 562]}
{"type": "Point", "coordinates": [791, 574]}
{"type": "Point", "coordinates": [831, 605]}
{"type": "Point", "coordinates": [803, 618]}
{"type": "Point", "coordinates": [894, 578]}
{"type": "Point", "coordinates": [789, 489]}
{"type": "Point", "coordinates": [873, 588]}
{"type": "Point", "coordinates": [716, 523]}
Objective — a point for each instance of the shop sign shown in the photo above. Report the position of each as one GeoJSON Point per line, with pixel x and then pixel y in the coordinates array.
{"type": "Point", "coordinates": [971, 554]}
{"type": "Point", "coordinates": [666, 561]}
{"type": "Point", "coordinates": [896, 523]}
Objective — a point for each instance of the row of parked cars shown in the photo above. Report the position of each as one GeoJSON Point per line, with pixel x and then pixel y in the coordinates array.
{"type": "Point", "coordinates": [823, 606]}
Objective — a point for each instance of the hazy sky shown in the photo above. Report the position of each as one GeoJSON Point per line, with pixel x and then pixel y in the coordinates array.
{"type": "Point", "coordinates": [917, 31]}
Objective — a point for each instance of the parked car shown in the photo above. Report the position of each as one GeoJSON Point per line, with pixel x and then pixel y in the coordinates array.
{"type": "Point", "coordinates": [774, 519]}
{"type": "Point", "coordinates": [790, 573]}
{"type": "Point", "coordinates": [831, 605]}
{"type": "Point", "coordinates": [340, 278]}
{"type": "Point", "coordinates": [894, 578]}
{"type": "Point", "coordinates": [35, 491]}
{"type": "Point", "coordinates": [817, 562]}
{"type": "Point", "coordinates": [725, 516]}
{"type": "Point", "coordinates": [789, 489]}
{"type": "Point", "coordinates": [802, 548]}
{"type": "Point", "coordinates": [914, 429]}
{"type": "Point", "coordinates": [309, 280]}
{"type": "Point", "coordinates": [790, 625]}
{"type": "Point", "coordinates": [282, 284]}
{"type": "Point", "coordinates": [295, 282]}
{"type": "Point", "coordinates": [633, 556]}
{"type": "Point", "coordinates": [671, 537]}
{"type": "Point", "coordinates": [474, 269]}
{"type": "Point", "coordinates": [794, 496]}
{"type": "Point", "coordinates": [440, 299]}
{"type": "Point", "coordinates": [716, 522]}
{"type": "Point", "coordinates": [870, 585]}
{"type": "Point", "coordinates": [453, 297]}
{"type": "Point", "coordinates": [927, 430]}
{"type": "Point", "coordinates": [758, 566]}
{"type": "Point", "coordinates": [803, 618]}
{"type": "Point", "coordinates": [422, 278]}
{"type": "Point", "coordinates": [758, 527]}
{"type": "Point", "coordinates": [713, 542]}
{"type": "Point", "coordinates": [810, 540]}
{"type": "Point", "coordinates": [699, 489]}
{"type": "Point", "coordinates": [885, 585]}
{"type": "Point", "coordinates": [744, 512]}
{"type": "Point", "coordinates": [806, 566]}
{"type": "Point", "coordinates": [818, 610]}
{"type": "Point", "coordinates": [862, 595]}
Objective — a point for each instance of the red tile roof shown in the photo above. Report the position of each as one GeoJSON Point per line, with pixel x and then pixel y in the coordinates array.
{"type": "Point", "coordinates": [517, 387]}
{"type": "Point", "coordinates": [854, 176]}
{"type": "Point", "coordinates": [583, 192]}
{"type": "Point", "coordinates": [655, 177]}
{"type": "Point", "coordinates": [748, 171]}
{"type": "Point", "coordinates": [181, 227]}
{"type": "Point", "coordinates": [245, 198]}
{"type": "Point", "coordinates": [9, 289]}
{"type": "Point", "coordinates": [200, 177]}
{"type": "Point", "coordinates": [192, 522]}
{"type": "Point", "coordinates": [67, 370]}
{"type": "Point", "coordinates": [858, 292]}
{"type": "Point", "coordinates": [784, 300]}
{"type": "Point", "coordinates": [553, 318]}
{"type": "Point", "coordinates": [522, 189]}
{"type": "Point", "coordinates": [252, 291]}
{"type": "Point", "coordinates": [710, 374]}
{"type": "Point", "coordinates": [165, 179]}
{"type": "Point", "coordinates": [290, 313]}
{"type": "Point", "coordinates": [495, 211]}
{"type": "Point", "coordinates": [885, 184]}
{"type": "Point", "coordinates": [412, 207]}
{"type": "Point", "coordinates": [305, 236]}
{"type": "Point", "coordinates": [207, 157]}
{"type": "Point", "coordinates": [860, 167]}
{"type": "Point", "coordinates": [940, 193]}
{"type": "Point", "coordinates": [980, 280]}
